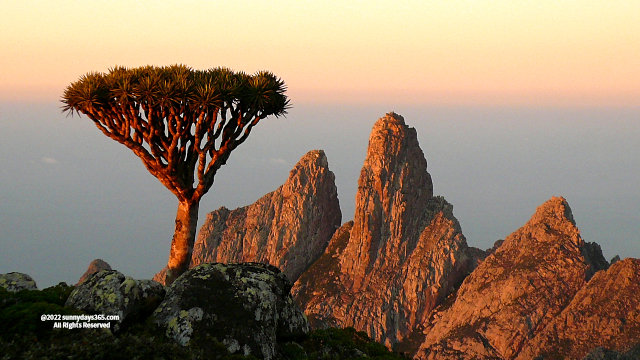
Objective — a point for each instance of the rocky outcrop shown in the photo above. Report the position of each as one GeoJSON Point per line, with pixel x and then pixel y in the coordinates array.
{"type": "Point", "coordinates": [247, 307]}
{"type": "Point", "coordinates": [478, 255]}
{"type": "Point", "coordinates": [15, 281]}
{"type": "Point", "coordinates": [95, 266]}
{"type": "Point", "coordinates": [614, 259]}
{"type": "Point", "coordinates": [403, 254]}
{"type": "Point", "coordinates": [605, 313]}
{"type": "Point", "coordinates": [109, 292]}
{"type": "Point", "coordinates": [288, 228]}
{"type": "Point", "coordinates": [517, 291]}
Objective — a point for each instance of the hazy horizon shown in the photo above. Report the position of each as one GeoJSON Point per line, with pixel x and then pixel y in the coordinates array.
{"type": "Point", "coordinates": [70, 195]}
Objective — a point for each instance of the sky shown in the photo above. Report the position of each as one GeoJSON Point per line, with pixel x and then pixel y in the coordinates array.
{"type": "Point", "coordinates": [513, 101]}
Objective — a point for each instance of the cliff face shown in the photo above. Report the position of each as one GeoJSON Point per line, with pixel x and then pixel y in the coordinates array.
{"type": "Point", "coordinates": [605, 313]}
{"type": "Point", "coordinates": [393, 190]}
{"type": "Point", "coordinates": [288, 228]}
{"type": "Point", "coordinates": [517, 291]}
{"type": "Point", "coordinates": [401, 256]}
{"type": "Point", "coordinates": [402, 271]}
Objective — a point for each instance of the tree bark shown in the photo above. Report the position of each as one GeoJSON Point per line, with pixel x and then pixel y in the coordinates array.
{"type": "Point", "coordinates": [183, 240]}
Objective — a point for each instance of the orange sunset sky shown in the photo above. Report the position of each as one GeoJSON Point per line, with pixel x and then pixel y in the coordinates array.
{"type": "Point", "coordinates": [559, 52]}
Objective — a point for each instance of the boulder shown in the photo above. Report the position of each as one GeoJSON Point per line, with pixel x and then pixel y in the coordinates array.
{"type": "Point", "coordinates": [15, 281]}
{"type": "Point", "coordinates": [109, 292]}
{"type": "Point", "coordinates": [95, 266]}
{"type": "Point", "coordinates": [247, 307]}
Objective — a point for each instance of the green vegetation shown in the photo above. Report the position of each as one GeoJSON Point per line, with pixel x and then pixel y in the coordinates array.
{"type": "Point", "coordinates": [20, 312]}
{"type": "Point", "coordinates": [24, 336]}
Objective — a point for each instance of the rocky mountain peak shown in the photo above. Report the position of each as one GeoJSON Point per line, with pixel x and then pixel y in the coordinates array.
{"type": "Point", "coordinates": [311, 169]}
{"type": "Point", "coordinates": [288, 228]}
{"type": "Point", "coordinates": [392, 117]}
{"type": "Point", "coordinates": [604, 313]}
{"type": "Point", "coordinates": [393, 189]}
{"type": "Point", "coordinates": [401, 256]}
{"type": "Point", "coordinates": [517, 291]}
{"type": "Point", "coordinates": [554, 213]}
{"type": "Point", "coordinates": [94, 267]}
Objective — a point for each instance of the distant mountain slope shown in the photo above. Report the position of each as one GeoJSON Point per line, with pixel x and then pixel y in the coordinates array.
{"type": "Point", "coordinates": [517, 291]}
{"type": "Point", "coordinates": [604, 313]}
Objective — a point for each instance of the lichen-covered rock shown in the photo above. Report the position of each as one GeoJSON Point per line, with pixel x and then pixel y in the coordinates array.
{"type": "Point", "coordinates": [109, 292]}
{"type": "Point", "coordinates": [95, 266]}
{"type": "Point", "coordinates": [517, 291]}
{"type": "Point", "coordinates": [245, 306]}
{"type": "Point", "coordinates": [402, 255]}
{"type": "Point", "coordinates": [604, 313]}
{"type": "Point", "coordinates": [15, 281]}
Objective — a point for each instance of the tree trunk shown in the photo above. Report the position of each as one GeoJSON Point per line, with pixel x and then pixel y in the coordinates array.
{"type": "Point", "coordinates": [183, 240]}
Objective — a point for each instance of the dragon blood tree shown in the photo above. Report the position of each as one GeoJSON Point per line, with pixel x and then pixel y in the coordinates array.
{"type": "Point", "coordinates": [182, 123]}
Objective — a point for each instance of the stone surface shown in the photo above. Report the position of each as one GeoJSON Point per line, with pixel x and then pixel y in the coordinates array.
{"type": "Point", "coordinates": [288, 228]}
{"type": "Point", "coordinates": [601, 353]}
{"type": "Point", "coordinates": [109, 292]}
{"type": "Point", "coordinates": [478, 255]}
{"type": "Point", "coordinates": [614, 259]}
{"type": "Point", "coordinates": [402, 255]}
{"type": "Point", "coordinates": [604, 313]}
{"type": "Point", "coordinates": [95, 266]}
{"type": "Point", "coordinates": [517, 291]}
{"type": "Point", "coordinates": [321, 289]}
{"type": "Point", "coordinates": [15, 281]}
{"type": "Point", "coordinates": [247, 307]}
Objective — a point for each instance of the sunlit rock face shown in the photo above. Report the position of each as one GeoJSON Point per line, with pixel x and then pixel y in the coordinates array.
{"type": "Point", "coordinates": [401, 256]}
{"type": "Point", "coordinates": [94, 267]}
{"type": "Point", "coordinates": [288, 228]}
{"type": "Point", "coordinates": [515, 293]}
{"type": "Point", "coordinates": [604, 313]}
